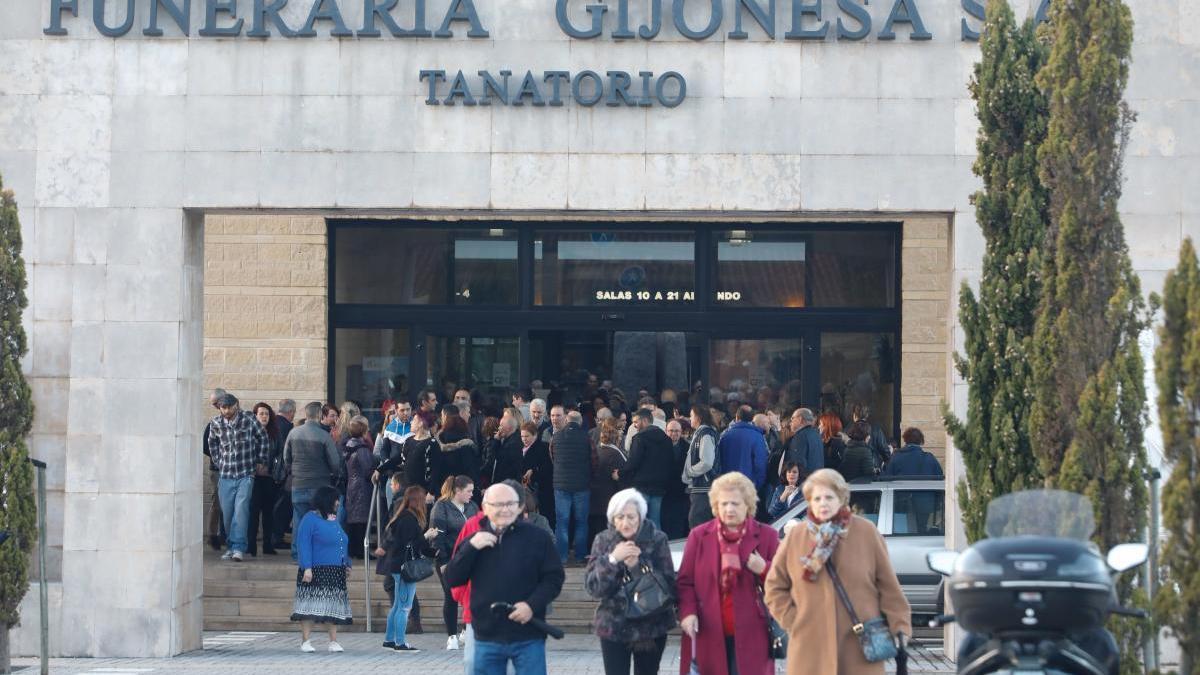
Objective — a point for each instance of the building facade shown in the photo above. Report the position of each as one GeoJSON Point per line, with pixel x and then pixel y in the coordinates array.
{"type": "Point", "coordinates": [334, 199]}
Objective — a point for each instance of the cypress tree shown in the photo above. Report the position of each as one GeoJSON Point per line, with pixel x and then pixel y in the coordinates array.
{"type": "Point", "coordinates": [17, 507]}
{"type": "Point", "coordinates": [1088, 415]}
{"type": "Point", "coordinates": [1012, 209]}
{"type": "Point", "coordinates": [1177, 371]}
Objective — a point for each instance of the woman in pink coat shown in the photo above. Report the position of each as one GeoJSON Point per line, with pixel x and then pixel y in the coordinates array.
{"type": "Point", "coordinates": [725, 563]}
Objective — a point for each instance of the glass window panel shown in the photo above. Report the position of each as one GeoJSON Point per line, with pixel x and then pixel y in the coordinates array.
{"type": "Point", "coordinates": [490, 364]}
{"type": "Point", "coordinates": [866, 503]}
{"type": "Point", "coordinates": [761, 269]}
{"type": "Point", "coordinates": [592, 268]}
{"type": "Point", "coordinates": [918, 513]}
{"type": "Point", "coordinates": [405, 266]}
{"type": "Point", "coordinates": [858, 372]}
{"type": "Point", "coordinates": [570, 366]}
{"type": "Point", "coordinates": [370, 367]}
{"type": "Point", "coordinates": [762, 373]}
{"type": "Point", "coordinates": [853, 269]}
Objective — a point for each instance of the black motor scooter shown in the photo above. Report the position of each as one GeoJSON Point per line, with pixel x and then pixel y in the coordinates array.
{"type": "Point", "coordinates": [1036, 593]}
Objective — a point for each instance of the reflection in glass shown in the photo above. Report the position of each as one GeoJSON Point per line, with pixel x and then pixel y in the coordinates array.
{"type": "Point", "coordinates": [370, 367]}
{"type": "Point", "coordinates": [491, 364]}
{"type": "Point", "coordinates": [582, 268]}
{"type": "Point", "coordinates": [761, 373]}
{"type": "Point", "coordinates": [569, 366]}
{"type": "Point", "coordinates": [853, 269]}
{"type": "Point", "coordinates": [404, 266]}
{"type": "Point", "coordinates": [761, 269]}
{"type": "Point", "coordinates": [858, 373]}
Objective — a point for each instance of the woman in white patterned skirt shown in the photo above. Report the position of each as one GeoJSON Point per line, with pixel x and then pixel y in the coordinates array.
{"type": "Point", "coordinates": [324, 567]}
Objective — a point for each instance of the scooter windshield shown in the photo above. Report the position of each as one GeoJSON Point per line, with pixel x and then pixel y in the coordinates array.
{"type": "Point", "coordinates": [1044, 513]}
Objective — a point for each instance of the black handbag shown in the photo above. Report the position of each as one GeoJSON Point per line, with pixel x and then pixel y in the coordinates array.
{"type": "Point", "coordinates": [874, 634]}
{"type": "Point", "coordinates": [416, 568]}
{"type": "Point", "coordinates": [646, 592]}
{"type": "Point", "coordinates": [777, 637]}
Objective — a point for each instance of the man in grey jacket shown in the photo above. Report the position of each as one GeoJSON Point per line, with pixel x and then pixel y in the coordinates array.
{"type": "Point", "coordinates": [313, 458]}
{"type": "Point", "coordinates": [572, 453]}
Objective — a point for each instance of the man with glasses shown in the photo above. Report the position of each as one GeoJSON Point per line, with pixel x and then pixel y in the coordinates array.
{"type": "Point", "coordinates": [512, 561]}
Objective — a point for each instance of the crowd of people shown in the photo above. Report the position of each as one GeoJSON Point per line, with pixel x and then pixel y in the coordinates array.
{"type": "Point", "coordinates": [602, 486]}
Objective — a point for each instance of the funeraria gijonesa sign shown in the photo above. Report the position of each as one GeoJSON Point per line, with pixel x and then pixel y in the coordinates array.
{"type": "Point", "coordinates": [408, 19]}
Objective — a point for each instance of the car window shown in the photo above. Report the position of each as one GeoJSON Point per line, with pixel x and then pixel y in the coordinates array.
{"type": "Point", "coordinates": [866, 503]}
{"type": "Point", "coordinates": [918, 513]}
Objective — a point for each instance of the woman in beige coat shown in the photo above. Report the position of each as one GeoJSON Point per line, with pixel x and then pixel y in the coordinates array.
{"type": "Point", "coordinates": [802, 598]}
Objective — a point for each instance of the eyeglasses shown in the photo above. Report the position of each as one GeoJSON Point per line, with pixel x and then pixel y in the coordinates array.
{"type": "Point", "coordinates": [503, 505]}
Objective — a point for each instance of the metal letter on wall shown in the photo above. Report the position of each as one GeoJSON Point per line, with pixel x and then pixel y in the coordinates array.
{"type": "Point", "coordinates": [180, 15]}
{"type": "Point", "coordinates": [57, 7]}
{"type": "Point", "coordinates": [718, 14]}
{"type": "Point", "coordinates": [975, 9]}
{"type": "Point", "coordinates": [594, 11]}
{"type": "Point", "coordinates": [860, 14]}
{"type": "Point", "coordinates": [798, 31]}
{"type": "Point", "coordinates": [214, 7]}
{"type": "Point", "coordinates": [905, 11]}
{"type": "Point", "coordinates": [262, 12]}
{"type": "Point", "coordinates": [462, 10]}
{"type": "Point", "coordinates": [104, 28]}
{"type": "Point", "coordinates": [764, 17]}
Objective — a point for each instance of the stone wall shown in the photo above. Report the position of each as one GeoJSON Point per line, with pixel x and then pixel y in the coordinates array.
{"type": "Point", "coordinates": [265, 314]}
{"type": "Point", "coordinates": [925, 294]}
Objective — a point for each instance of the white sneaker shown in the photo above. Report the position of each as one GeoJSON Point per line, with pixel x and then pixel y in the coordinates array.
{"type": "Point", "coordinates": [307, 647]}
{"type": "Point", "coordinates": [236, 557]}
{"type": "Point", "coordinates": [335, 647]}
{"type": "Point", "coordinates": [228, 555]}
{"type": "Point", "coordinates": [452, 643]}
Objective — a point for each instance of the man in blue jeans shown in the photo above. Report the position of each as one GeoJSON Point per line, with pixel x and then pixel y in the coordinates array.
{"type": "Point", "coordinates": [238, 445]}
{"type": "Point", "coordinates": [572, 452]}
{"type": "Point", "coordinates": [509, 560]}
{"type": "Point", "coordinates": [313, 458]}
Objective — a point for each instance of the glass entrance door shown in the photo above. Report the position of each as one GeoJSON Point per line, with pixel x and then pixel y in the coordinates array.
{"type": "Point", "coordinates": [568, 366]}
{"type": "Point", "coordinates": [488, 363]}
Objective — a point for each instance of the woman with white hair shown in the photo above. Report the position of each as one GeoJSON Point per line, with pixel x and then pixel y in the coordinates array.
{"type": "Point", "coordinates": [631, 553]}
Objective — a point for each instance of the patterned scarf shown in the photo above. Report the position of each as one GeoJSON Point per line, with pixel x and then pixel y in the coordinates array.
{"type": "Point", "coordinates": [826, 536]}
{"type": "Point", "coordinates": [731, 559]}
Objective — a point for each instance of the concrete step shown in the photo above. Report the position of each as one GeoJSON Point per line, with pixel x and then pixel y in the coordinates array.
{"type": "Point", "coordinates": [430, 588]}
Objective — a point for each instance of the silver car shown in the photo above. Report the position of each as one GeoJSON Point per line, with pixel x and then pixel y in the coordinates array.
{"type": "Point", "coordinates": [910, 514]}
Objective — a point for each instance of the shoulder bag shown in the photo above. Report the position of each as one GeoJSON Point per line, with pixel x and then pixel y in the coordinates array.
{"type": "Point", "coordinates": [646, 592]}
{"type": "Point", "coordinates": [777, 637]}
{"type": "Point", "coordinates": [416, 566]}
{"type": "Point", "coordinates": [876, 638]}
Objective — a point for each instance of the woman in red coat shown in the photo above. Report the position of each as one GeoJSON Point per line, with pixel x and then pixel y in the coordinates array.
{"type": "Point", "coordinates": [725, 563]}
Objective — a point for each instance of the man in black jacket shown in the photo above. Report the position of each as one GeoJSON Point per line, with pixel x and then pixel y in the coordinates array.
{"type": "Point", "coordinates": [572, 453]}
{"type": "Point", "coordinates": [651, 464]}
{"type": "Point", "coordinates": [513, 561]}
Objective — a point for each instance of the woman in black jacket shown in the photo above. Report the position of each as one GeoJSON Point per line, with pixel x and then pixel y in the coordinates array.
{"type": "Point", "coordinates": [537, 470]}
{"type": "Point", "coordinates": [453, 454]}
{"type": "Point", "coordinates": [404, 540]}
{"type": "Point", "coordinates": [859, 459]}
{"type": "Point", "coordinates": [416, 450]}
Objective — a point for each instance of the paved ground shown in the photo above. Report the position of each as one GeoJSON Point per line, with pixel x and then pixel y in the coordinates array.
{"type": "Point", "coordinates": [279, 654]}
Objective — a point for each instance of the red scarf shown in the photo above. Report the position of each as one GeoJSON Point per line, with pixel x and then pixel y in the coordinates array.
{"type": "Point", "coordinates": [731, 559]}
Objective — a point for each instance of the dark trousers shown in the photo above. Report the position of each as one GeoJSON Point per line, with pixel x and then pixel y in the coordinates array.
{"type": "Point", "coordinates": [449, 606]}
{"type": "Point", "coordinates": [262, 508]}
{"type": "Point", "coordinates": [356, 532]}
{"type": "Point", "coordinates": [700, 511]}
{"type": "Point", "coordinates": [283, 516]}
{"type": "Point", "coordinates": [215, 524]}
{"type": "Point", "coordinates": [617, 655]}
{"type": "Point", "coordinates": [731, 656]}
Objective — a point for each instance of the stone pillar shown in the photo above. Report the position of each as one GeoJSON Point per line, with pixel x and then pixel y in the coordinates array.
{"type": "Point", "coordinates": [925, 328]}
{"type": "Point", "coordinates": [130, 523]}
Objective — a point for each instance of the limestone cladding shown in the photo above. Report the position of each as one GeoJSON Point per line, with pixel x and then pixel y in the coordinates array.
{"type": "Point", "coordinates": [265, 308]}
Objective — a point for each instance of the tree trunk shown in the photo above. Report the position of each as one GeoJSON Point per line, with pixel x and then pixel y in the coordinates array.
{"type": "Point", "coordinates": [5, 665]}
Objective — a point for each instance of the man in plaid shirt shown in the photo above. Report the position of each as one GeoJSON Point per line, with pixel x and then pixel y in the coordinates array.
{"type": "Point", "coordinates": [237, 444]}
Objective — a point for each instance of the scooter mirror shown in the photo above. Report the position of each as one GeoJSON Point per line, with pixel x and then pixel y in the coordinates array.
{"type": "Point", "coordinates": [1127, 556]}
{"type": "Point", "coordinates": [942, 561]}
